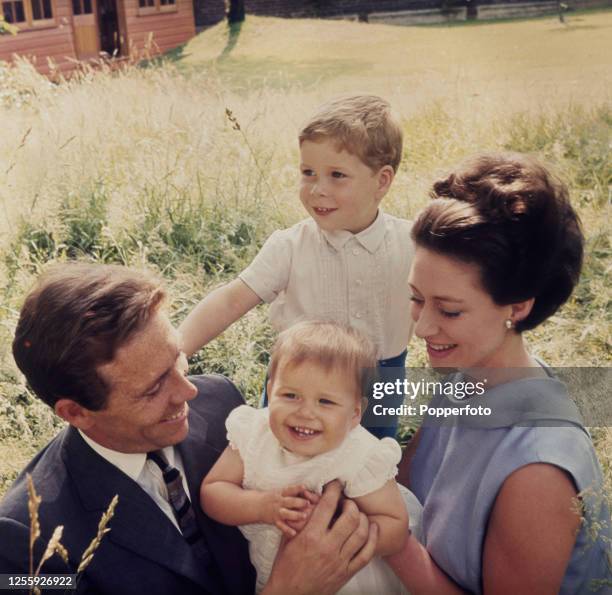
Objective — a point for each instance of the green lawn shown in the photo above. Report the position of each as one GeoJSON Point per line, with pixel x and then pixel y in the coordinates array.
{"type": "Point", "coordinates": [522, 63]}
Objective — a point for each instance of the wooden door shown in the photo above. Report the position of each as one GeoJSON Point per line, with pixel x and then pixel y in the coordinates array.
{"type": "Point", "coordinates": [86, 36]}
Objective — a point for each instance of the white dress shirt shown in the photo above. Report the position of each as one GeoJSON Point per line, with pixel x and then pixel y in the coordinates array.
{"type": "Point", "coordinates": [144, 472]}
{"type": "Point", "coordinates": [360, 280]}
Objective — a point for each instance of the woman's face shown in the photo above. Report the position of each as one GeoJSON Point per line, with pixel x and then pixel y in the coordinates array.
{"type": "Point", "coordinates": [457, 318]}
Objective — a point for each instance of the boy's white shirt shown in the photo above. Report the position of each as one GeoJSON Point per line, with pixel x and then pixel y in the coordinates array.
{"type": "Point", "coordinates": [361, 279]}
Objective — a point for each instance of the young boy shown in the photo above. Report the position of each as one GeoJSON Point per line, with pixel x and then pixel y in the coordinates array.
{"type": "Point", "coordinates": [350, 261]}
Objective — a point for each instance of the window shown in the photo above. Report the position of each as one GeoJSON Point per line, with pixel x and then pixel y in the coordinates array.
{"type": "Point", "coordinates": [13, 11]}
{"type": "Point", "coordinates": [28, 13]}
{"type": "Point", "coordinates": [81, 7]}
{"type": "Point", "coordinates": [155, 6]}
{"type": "Point", "coordinates": [41, 9]}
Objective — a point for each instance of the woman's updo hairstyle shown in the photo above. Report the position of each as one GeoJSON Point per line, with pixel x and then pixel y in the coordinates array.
{"type": "Point", "coordinates": [509, 216]}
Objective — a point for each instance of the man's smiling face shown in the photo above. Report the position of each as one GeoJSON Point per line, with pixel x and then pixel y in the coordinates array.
{"type": "Point", "coordinates": [146, 408]}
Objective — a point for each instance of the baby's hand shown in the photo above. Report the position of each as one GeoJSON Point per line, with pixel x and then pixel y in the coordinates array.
{"type": "Point", "coordinates": [289, 508]}
{"type": "Point", "coordinates": [313, 500]}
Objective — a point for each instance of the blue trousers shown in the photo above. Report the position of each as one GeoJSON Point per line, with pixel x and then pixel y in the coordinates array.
{"type": "Point", "coordinates": [381, 426]}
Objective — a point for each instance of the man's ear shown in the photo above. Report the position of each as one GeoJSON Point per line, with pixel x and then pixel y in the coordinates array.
{"type": "Point", "coordinates": [76, 415]}
{"type": "Point", "coordinates": [521, 310]}
{"type": "Point", "coordinates": [384, 176]}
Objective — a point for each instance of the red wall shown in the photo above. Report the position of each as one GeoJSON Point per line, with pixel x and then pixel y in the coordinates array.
{"type": "Point", "coordinates": [169, 29]}
{"type": "Point", "coordinates": [55, 42]}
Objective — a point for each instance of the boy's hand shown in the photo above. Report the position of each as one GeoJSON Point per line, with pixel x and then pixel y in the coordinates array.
{"type": "Point", "coordinates": [289, 505]}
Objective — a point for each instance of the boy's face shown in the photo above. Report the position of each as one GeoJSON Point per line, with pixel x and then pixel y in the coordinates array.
{"type": "Point", "coordinates": [312, 410]}
{"type": "Point", "coordinates": [338, 190]}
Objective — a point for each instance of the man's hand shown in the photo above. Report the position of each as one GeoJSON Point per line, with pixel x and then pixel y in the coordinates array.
{"type": "Point", "coordinates": [313, 500]}
{"type": "Point", "coordinates": [323, 557]}
{"type": "Point", "coordinates": [289, 508]}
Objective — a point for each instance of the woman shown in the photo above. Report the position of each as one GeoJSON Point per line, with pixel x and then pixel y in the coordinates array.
{"type": "Point", "coordinates": [498, 251]}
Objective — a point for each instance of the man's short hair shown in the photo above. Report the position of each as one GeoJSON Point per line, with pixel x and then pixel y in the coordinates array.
{"type": "Point", "coordinates": [362, 125]}
{"type": "Point", "coordinates": [74, 320]}
{"type": "Point", "coordinates": [329, 345]}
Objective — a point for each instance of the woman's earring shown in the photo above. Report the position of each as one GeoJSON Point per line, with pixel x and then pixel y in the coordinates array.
{"type": "Point", "coordinates": [509, 323]}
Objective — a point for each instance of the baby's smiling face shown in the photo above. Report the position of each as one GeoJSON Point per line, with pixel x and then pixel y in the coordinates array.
{"type": "Point", "coordinates": [312, 410]}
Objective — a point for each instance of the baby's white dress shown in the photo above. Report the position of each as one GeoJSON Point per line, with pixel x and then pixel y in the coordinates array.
{"type": "Point", "coordinates": [362, 463]}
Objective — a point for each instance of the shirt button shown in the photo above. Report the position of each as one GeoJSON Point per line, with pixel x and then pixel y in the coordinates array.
{"type": "Point", "coordinates": [357, 314]}
{"type": "Point", "coordinates": [355, 252]}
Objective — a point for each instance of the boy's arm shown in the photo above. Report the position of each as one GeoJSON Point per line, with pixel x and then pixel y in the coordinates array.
{"type": "Point", "coordinates": [224, 499]}
{"type": "Point", "coordinates": [218, 310]}
{"type": "Point", "coordinates": [386, 508]}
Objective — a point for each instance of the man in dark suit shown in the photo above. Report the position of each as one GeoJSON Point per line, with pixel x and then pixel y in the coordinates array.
{"type": "Point", "coordinates": [95, 344]}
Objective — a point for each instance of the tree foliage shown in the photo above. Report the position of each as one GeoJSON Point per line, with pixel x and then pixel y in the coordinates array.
{"type": "Point", "coordinates": [7, 28]}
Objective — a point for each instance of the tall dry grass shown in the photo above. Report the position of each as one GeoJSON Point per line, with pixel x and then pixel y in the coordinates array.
{"type": "Point", "coordinates": [144, 166]}
{"type": "Point", "coordinates": [54, 546]}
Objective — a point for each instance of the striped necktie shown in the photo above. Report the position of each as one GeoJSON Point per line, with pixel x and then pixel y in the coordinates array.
{"type": "Point", "coordinates": [178, 498]}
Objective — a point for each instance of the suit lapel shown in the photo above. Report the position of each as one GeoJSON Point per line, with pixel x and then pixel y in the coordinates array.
{"type": "Point", "coordinates": [198, 457]}
{"type": "Point", "coordinates": [138, 523]}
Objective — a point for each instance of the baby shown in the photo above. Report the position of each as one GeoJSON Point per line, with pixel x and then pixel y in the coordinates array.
{"type": "Point", "coordinates": [349, 262]}
{"type": "Point", "coordinates": [279, 458]}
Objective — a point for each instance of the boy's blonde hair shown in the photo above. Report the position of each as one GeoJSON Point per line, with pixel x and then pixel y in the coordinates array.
{"type": "Point", "coordinates": [362, 125]}
{"type": "Point", "coordinates": [329, 345]}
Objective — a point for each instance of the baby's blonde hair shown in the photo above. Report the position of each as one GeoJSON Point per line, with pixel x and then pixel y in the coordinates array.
{"type": "Point", "coordinates": [362, 125]}
{"type": "Point", "coordinates": [329, 345]}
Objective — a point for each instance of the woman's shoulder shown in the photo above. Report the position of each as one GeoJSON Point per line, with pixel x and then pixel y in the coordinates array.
{"type": "Point", "coordinates": [567, 447]}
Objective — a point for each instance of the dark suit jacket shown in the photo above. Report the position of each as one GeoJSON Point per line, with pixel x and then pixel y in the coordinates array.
{"type": "Point", "coordinates": [143, 552]}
